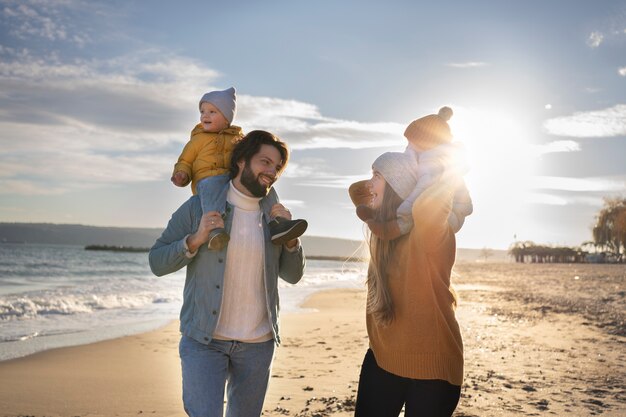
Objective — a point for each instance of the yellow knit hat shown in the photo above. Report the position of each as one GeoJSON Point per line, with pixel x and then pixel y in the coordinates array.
{"type": "Point", "coordinates": [430, 131]}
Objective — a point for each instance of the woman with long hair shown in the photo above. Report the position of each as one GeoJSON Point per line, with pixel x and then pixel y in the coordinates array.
{"type": "Point", "coordinates": [415, 355]}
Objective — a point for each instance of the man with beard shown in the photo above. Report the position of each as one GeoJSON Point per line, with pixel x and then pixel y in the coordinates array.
{"type": "Point", "coordinates": [229, 317]}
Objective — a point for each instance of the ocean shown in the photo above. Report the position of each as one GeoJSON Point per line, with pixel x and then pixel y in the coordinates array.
{"type": "Point", "coordinates": [56, 295]}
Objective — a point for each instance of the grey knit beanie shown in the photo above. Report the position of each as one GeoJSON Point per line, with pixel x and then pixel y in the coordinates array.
{"type": "Point", "coordinates": [399, 170]}
{"type": "Point", "coordinates": [225, 101]}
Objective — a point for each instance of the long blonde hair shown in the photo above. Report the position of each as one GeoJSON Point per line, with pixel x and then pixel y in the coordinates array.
{"type": "Point", "coordinates": [379, 302]}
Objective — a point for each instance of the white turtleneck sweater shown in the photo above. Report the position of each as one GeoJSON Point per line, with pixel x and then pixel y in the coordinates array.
{"type": "Point", "coordinates": [243, 315]}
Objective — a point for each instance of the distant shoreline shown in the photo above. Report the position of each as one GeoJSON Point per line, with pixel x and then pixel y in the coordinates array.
{"type": "Point", "coordinates": [112, 248]}
{"type": "Point", "coordinates": [116, 248]}
{"type": "Point", "coordinates": [336, 258]}
{"type": "Point", "coordinates": [315, 247]}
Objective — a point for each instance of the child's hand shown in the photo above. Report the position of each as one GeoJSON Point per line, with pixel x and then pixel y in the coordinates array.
{"type": "Point", "coordinates": [361, 193]}
{"type": "Point", "coordinates": [180, 179]}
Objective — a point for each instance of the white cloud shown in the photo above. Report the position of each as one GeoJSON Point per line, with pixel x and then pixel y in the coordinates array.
{"type": "Point", "coordinates": [306, 167]}
{"type": "Point", "coordinates": [622, 71]}
{"type": "Point", "coordinates": [45, 20]}
{"type": "Point", "coordinates": [471, 64]}
{"type": "Point", "coordinates": [328, 142]}
{"type": "Point", "coordinates": [148, 91]}
{"type": "Point", "coordinates": [25, 187]}
{"type": "Point", "coordinates": [256, 108]}
{"type": "Point", "coordinates": [293, 203]}
{"type": "Point", "coordinates": [558, 146]}
{"type": "Point", "coordinates": [334, 181]}
{"type": "Point", "coordinates": [318, 168]}
{"type": "Point", "coordinates": [100, 122]}
{"type": "Point", "coordinates": [600, 123]}
{"type": "Point", "coordinates": [103, 122]}
{"type": "Point", "coordinates": [593, 184]}
{"type": "Point", "coordinates": [54, 169]}
{"type": "Point", "coordinates": [71, 169]}
{"type": "Point", "coordinates": [563, 200]}
{"type": "Point", "coordinates": [152, 91]}
{"type": "Point", "coordinates": [595, 39]}
{"type": "Point", "coordinates": [548, 199]}
{"type": "Point", "coordinates": [303, 126]}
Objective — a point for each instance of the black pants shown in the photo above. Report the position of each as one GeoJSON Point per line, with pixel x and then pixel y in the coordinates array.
{"type": "Point", "coordinates": [382, 394]}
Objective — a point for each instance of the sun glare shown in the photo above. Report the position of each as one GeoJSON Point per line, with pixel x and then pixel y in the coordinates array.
{"type": "Point", "coordinates": [502, 162]}
{"type": "Point", "coordinates": [500, 155]}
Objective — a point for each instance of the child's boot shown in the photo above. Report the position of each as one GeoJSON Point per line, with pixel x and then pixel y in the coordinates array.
{"type": "Point", "coordinates": [283, 230]}
{"type": "Point", "coordinates": [218, 239]}
{"type": "Point", "coordinates": [364, 212]}
{"type": "Point", "coordinates": [385, 230]}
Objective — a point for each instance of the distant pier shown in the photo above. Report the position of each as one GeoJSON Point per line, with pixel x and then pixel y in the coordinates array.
{"type": "Point", "coordinates": [116, 248]}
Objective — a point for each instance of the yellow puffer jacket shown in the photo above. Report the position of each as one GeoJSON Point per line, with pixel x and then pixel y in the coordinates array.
{"type": "Point", "coordinates": [207, 154]}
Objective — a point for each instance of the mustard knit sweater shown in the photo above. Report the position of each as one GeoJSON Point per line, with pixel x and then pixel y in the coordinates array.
{"type": "Point", "coordinates": [423, 341]}
{"type": "Point", "coordinates": [207, 154]}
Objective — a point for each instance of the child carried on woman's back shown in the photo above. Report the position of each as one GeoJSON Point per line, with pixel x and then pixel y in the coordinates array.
{"type": "Point", "coordinates": [437, 158]}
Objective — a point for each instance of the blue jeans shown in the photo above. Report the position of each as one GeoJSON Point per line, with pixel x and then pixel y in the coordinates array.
{"type": "Point", "coordinates": [208, 188]}
{"type": "Point", "coordinates": [206, 368]}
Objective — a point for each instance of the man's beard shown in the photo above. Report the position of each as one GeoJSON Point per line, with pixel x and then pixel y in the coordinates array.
{"type": "Point", "coordinates": [253, 184]}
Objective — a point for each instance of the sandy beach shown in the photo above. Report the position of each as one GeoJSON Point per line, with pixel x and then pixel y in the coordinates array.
{"type": "Point", "coordinates": [539, 340]}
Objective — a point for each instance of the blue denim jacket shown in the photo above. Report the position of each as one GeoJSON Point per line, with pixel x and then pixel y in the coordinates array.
{"type": "Point", "coordinates": [202, 296]}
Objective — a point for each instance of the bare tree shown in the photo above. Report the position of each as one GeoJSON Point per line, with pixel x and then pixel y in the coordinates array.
{"type": "Point", "coordinates": [609, 231]}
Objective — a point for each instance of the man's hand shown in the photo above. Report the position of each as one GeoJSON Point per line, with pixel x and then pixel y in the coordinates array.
{"type": "Point", "coordinates": [209, 221]}
{"type": "Point", "coordinates": [278, 210]}
{"type": "Point", "coordinates": [180, 179]}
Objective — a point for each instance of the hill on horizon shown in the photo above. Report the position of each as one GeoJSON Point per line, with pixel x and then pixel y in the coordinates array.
{"type": "Point", "coordinates": [76, 234]}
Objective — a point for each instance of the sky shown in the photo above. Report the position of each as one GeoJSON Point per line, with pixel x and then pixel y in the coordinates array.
{"type": "Point", "coordinates": [97, 100]}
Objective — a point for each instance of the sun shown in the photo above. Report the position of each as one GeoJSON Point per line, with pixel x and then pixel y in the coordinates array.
{"type": "Point", "coordinates": [502, 163]}
{"type": "Point", "coordinates": [500, 153]}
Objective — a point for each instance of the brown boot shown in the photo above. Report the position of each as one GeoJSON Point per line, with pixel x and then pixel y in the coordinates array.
{"type": "Point", "coordinates": [218, 239]}
{"type": "Point", "coordinates": [385, 230]}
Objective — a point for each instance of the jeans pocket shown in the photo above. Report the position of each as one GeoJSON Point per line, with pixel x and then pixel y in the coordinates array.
{"type": "Point", "coordinates": [189, 346]}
